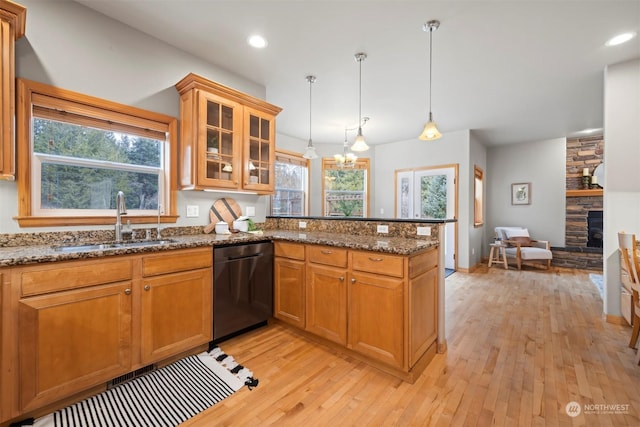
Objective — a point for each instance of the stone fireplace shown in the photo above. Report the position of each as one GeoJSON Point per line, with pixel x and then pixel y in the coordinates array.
{"type": "Point", "coordinates": [584, 208]}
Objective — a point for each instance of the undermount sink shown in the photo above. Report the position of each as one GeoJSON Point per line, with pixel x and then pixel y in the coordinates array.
{"type": "Point", "coordinates": [110, 245]}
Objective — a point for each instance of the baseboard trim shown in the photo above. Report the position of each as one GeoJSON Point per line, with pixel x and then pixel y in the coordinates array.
{"type": "Point", "coordinates": [615, 320]}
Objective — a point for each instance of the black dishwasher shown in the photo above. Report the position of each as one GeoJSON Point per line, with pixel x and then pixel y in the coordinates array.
{"type": "Point", "coordinates": [242, 288]}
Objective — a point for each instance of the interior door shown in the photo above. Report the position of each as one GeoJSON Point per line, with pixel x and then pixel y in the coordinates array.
{"type": "Point", "coordinates": [434, 198]}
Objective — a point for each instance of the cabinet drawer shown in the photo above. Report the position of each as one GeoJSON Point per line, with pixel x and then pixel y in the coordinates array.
{"type": "Point", "coordinates": [289, 250]}
{"type": "Point", "coordinates": [378, 263]}
{"type": "Point", "coordinates": [423, 262]}
{"type": "Point", "coordinates": [327, 255]}
{"type": "Point", "coordinates": [174, 261]}
{"type": "Point", "coordinates": [60, 276]}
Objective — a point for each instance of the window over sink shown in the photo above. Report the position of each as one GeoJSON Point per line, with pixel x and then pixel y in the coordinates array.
{"type": "Point", "coordinates": [76, 152]}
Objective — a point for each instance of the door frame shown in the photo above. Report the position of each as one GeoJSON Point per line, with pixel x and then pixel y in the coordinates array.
{"type": "Point", "coordinates": [409, 173]}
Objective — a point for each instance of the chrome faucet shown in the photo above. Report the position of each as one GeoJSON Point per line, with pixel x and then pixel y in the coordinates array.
{"type": "Point", "coordinates": [121, 209]}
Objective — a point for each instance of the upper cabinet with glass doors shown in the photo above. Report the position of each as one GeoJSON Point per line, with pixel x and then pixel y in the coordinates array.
{"type": "Point", "coordinates": [227, 138]}
{"type": "Point", "coordinates": [12, 25]}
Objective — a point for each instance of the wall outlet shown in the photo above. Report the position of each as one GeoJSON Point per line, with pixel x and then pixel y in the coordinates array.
{"type": "Point", "coordinates": [193, 211]}
{"type": "Point", "coordinates": [383, 229]}
{"type": "Point", "coordinates": [473, 251]}
{"type": "Point", "coordinates": [250, 211]}
{"type": "Point", "coordinates": [381, 211]}
{"type": "Point", "coordinates": [302, 224]}
{"type": "Point", "coordinates": [424, 231]}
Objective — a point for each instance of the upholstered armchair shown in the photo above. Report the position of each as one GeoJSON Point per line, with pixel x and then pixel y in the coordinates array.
{"type": "Point", "coordinates": [520, 247]}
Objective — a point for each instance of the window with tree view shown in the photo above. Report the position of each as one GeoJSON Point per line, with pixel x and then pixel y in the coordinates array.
{"type": "Point", "coordinates": [290, 197]}
{"type": "Point", "coordinates": [77, 152]}
{"type": "Point", "coordinates": [83, 168]}
{"type": "Point", "coordinates": [345, 190]}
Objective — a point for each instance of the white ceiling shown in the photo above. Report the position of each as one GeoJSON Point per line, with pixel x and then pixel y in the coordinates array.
{"type": "Point", "coordinates": [513, 71]}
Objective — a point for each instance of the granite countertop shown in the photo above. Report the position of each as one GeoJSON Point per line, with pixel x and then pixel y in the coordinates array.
{"type": "Point", "coordinates": [21, 255]}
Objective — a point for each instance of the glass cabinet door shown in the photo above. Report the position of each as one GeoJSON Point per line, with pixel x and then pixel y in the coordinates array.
{"type": "Point", "coordinates": [219, 145]}
{"type": "Point", "coordinates": [259, 151]}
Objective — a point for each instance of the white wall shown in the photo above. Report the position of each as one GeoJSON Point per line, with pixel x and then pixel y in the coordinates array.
{"type": "Point", "coordinates": [540, 163]}
{"type": "Point", "coordinates": [72, 47]}
{"type": "Point", "coordinates": [622, 171]}
{"type": "Point", "coordinates": [452, 148]}
{"type": "Point", "coordinates": [477, 237]}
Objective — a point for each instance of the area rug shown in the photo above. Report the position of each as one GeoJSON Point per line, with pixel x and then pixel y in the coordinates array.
{"type": "Point", "coordinates": [598, 281]}
{"type": "Point", "coordinates": [163, 398]}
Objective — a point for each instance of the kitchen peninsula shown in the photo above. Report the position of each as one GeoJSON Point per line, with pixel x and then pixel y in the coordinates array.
{"type": "Point", "coordinates": [388, 290]}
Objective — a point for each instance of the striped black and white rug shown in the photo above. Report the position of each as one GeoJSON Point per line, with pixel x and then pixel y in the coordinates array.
{"type": "Point", "coordinates": [163, 398]}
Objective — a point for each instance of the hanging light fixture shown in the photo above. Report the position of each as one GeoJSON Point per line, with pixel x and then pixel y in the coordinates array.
{"type": "Point", "coordinates": [360, 144]}
{"type": "Point", "coordinates": [430, 131]}
{"type": "Point", "coordinates": [310, 152]}
{"type": "Point", "coordinates": [345, 160]}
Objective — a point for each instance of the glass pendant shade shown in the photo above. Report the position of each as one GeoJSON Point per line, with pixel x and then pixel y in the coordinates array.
{"type": "Point", "coordinates": [310, 152]}
{"type": "Point", "coordinates": [359, 144]}
{"type": "Point", "coordinates": [430, 131]}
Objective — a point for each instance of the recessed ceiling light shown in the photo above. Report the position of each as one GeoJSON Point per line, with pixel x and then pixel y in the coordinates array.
{"type": "Point", "coordinates": [620, 38]}
{"type": "Point", "coordinates": [257, 41]}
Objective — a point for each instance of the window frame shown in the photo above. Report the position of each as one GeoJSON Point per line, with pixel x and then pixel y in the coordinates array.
{"type": "Point", "coordinates": [329, 163]}
{"type": "Point", "coordinates": [478, 196]}
{"type": "Point", "coordinates": [298, 159]}
{"type": "Point", "coordinates": [88, 110]}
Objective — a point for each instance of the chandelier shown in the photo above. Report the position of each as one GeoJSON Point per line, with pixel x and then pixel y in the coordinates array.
{"type": "Point", "coordinates": [347, 160]}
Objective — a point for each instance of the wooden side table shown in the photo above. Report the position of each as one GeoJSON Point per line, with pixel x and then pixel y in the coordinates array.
{"type": "Point", "coordinates": [498, 254]}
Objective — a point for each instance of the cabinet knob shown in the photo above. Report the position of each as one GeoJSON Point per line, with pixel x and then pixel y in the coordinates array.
{"type": "Point", "coordinates": [147, 287]}
{"type": "Point", "coordinates": [341, 278]}
{"type": "Point", "coordinates": [127, 291]}
{"type": "Point", "coordinates": [353, 280]}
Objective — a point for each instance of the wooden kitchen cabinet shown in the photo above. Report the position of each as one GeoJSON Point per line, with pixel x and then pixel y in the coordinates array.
{"type": "Point", "coordinates": [75, 325]}
{"type": "Point", "coordinates": [378, 306]}
{"type": "Point", "coordinates": [12, 27]}
{"type": "Point", "coordinates": [176, 303]}
{"type": "Point", "coordinates": [326, 300]}
{"type": "Point", "coordinates": [289, 283]}
{"type": "Point", "coordinates": [227, 138]}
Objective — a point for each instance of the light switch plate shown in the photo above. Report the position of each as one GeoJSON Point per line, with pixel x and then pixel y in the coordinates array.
{"type": "Point", "coordinates": [383, 229]}
{"type": "Point", "coordinates": [302, 224]}
{"type": "Point", "coordinates": [193, 211]}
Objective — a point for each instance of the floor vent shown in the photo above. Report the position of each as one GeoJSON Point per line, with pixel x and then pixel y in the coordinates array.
{"type": "Point", "coordinates": [131, 375]}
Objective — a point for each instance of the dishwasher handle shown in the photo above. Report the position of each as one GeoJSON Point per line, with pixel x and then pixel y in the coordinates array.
{"type": "Point", "coordinates": [233, 258]}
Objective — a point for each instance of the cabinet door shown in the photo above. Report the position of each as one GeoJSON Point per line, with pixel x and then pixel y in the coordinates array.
{"type": "Point", "coordinates": [423, 318]}
{"type": "Point", "coordinates": [376, 317]}
{"type": "Point", "coordinates": [176, 313]}
{"type": "Point", "coordinates": [72, 340]}
{"type": "Point", "coordinates": [289, 291]}
{"type": "Point", "coordinates": [327, 302]}
{"type": "Point", "coordinates": [259, 151]}
{"type": "Point", "coordinates": [219, 142]}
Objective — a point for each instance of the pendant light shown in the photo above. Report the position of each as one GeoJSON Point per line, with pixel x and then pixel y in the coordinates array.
{"type": "Point", "coordinates": [310, 153]}
{"type": "Point", "coordinates": [430, 131]}
{"type": "Point", "coordinates": [360, 144]}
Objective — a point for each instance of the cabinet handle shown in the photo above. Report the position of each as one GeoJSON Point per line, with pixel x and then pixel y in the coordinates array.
{"type": "Point", "coordinates": [326, 252]}
{"type": "Point", "coordinates": [147, 287]}
{"type": "Point", "coordinates": [127, 291]}
{"type": "Point", "coordinates": [353, 280]}
{"type": "Point", "coordinates": [341, 278]}
{"type": "Point", "coordinates": [375, 259]}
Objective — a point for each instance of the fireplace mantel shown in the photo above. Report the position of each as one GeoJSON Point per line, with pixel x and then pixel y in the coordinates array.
{"type": "Point", "coordinates": [585, 193]}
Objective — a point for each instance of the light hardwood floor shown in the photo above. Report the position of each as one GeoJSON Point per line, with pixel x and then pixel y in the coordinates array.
{"type": "Point", "coordinates": [522, 345]}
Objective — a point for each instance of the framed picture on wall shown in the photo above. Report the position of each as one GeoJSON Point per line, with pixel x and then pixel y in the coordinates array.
{"type": "Point", "coordinates": [521, 193]}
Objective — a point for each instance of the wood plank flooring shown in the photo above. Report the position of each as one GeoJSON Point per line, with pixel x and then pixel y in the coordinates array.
{"type": "Point", "coordinates": [521, 346]}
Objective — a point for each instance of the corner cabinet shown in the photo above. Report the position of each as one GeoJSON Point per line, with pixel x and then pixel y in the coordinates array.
{"type": "Point", "coordinates": [12, 26]}
{"type": "Point", "coordinates": [227, 138]}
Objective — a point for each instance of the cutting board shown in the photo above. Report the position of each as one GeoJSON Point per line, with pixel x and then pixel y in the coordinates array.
{"type": "Point", "coordinates": [225, 209]}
